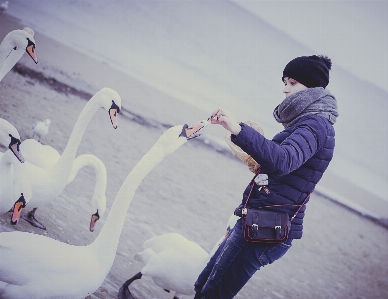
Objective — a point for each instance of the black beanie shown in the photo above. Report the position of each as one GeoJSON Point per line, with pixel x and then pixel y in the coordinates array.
{"type": "Point", "coordinates": [311, 71]}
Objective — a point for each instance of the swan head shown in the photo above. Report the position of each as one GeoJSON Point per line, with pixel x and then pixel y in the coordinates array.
{"type": "Point", "coordinates": [18, 206]}
{"type": "Point", "coordinates": [23, 40]}
{"type": "Point", "coordinates": [98, 206]}
{"type": "Point", "coordinates": [192, 131]}
{"type": "Point", "coordinates": [10, 137]}
{"type": "Point", "coordinates": [93, 221]}
{"type": "Point", "coordinates": [175, 137]}
{"type": "Point", "coordinates": [144, 256]}
{"type": "Point", "coordinates": [170, 140]}
{"type": "Point", "coordinates": [22, 192]}
{"type": "Point", "coordinates": [111, 102]}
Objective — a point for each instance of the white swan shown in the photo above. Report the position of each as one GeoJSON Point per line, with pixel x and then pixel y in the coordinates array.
{"type": "Point", "coordinates": [48, 183]}
{"type": "Point", "coordinates": [14, 189]}
{"type": "Point", "coordinates": [173, 262]}
{"type": "Point", "coordinates": [13, 47]}
{"type": "Point", "coordinates": [46, 156]}
{"type": "Point", "coordinates": [37, 267]}
{"type": "Point", "coordinates": [41, 128]}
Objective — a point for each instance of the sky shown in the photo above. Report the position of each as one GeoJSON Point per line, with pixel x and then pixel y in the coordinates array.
{"type": "Point", "coordinates": [354, 34]}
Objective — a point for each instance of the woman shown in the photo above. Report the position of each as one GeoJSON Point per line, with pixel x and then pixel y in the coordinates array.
{"type": "Point", "coordinates": [294, 160]}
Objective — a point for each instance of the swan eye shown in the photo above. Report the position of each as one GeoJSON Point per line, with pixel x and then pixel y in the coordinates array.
{"type": "Point", "coordinates": [30, 49]}
{"type": "Point", "coordinates": [114, 106]}
{"type": "Point", "coordinates": [30, 44]}
{"type": "Point", "coordinates": [13, 142]}
{"type": "Point", "coordinates": [97, 216]}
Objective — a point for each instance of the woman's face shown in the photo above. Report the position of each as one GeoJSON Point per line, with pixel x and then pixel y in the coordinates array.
{"type": "Point", "coordinates": [292, 86]}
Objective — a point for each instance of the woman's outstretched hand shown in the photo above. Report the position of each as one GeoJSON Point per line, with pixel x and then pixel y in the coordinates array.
{"type": "Point", "coordinates": [224, 118]}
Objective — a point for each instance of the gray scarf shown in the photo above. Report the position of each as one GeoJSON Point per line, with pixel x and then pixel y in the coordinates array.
{"type": "Point", "coordinates": [315, 100]}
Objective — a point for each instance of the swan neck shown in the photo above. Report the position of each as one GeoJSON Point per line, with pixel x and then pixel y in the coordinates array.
{"type": "Point", "coordinates": [66, 160]}
{"type": "Point", "coordinates": [99, 170]}
{"type": "Point", "coordinates": [107, 241]}
{"type": "Point", "coordinates": [6, 179]}
{"type": "Point", "coordinates": [5, 163]}
{"type": "Point", "coordinates": [5, 44]}
{"type": "Point", "coordinates": [8, 56]}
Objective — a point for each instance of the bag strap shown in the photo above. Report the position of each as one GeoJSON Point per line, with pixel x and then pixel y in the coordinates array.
{"type": "Point", "coordinates": [253, 184]}
{"type": "Point", "coordinates": [300, 206]}
{"type": "Point", "coordinates": [296, 213]}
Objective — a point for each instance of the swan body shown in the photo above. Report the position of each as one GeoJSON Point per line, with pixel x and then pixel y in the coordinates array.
{"type": "Point", "coordinates": [37, 267]}
{"type": "Point", "coordinates": [12, 48]}
{"type": "Point", "coordinates": [41, 155]}
{"type": "Point", "coordinates": [15, 191]}
{"type": "Point", "coordinates": [173, 262]}
{"type": "Point", "coordinates": [48, 183]}
{"type": "Point", "coordinates": [46, 156]}
{"type": "Point", "coordinates": [41, 128]}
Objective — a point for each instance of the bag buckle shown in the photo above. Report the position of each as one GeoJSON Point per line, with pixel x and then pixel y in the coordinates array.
{"type": "Point", "coordinates": [244, 211]}
{"type": "Point", "coordinates": [277, 227]}
{"type": "Point", "coordinates": [255, 226]}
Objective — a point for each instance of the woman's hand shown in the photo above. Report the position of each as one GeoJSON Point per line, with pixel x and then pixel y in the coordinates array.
{"type": "Point", "coordinates": [224, 118]}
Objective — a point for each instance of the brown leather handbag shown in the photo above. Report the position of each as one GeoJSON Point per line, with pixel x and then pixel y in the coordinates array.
{"type": "Point", "coordinates": [265, 226]}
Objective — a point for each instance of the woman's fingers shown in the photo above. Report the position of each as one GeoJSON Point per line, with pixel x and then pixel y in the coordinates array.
{"type": "Point", "coordinates": [216, 113]}
{"type": "Point", "coordinates": [219, 112]}
{"type": "Point", "coordinates": [224, 118]}
{"type": "Point", "coordinates": [221, 117]}
{"type": "Point", "coordinates": [215, 116]}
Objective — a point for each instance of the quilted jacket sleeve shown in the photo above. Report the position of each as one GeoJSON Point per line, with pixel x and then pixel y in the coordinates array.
{"type": "Point", "coordinates": [289, 149]}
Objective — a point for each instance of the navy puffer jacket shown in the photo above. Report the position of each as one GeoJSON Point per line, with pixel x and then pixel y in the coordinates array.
{"type": "Point", "coordinates": [294, 160]}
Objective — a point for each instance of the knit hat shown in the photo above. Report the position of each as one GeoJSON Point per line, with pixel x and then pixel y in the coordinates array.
{"type": "Point", "coordinates": [311, 71]}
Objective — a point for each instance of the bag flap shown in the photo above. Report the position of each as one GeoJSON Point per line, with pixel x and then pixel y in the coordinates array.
{"type": "Point", "coordinates": [266, 218]}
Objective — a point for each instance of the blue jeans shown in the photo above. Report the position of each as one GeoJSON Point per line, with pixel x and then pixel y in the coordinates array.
{"type": "Point", "coordinates": [234, 263]}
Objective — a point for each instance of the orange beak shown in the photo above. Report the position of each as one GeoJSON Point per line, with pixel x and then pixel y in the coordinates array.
{"type": "Point", "coordinates": [17, 209]}
{"type": "Point", "coordinates": [15, 149]}
{"type": "Point", "coordinates": [113, 117]}
{"type": "Point", "coordinates": [31, 51]}
{"type": "Point", "coordinates": [93, 221]}
{"type": "Point", "coordinates": [191, 131]}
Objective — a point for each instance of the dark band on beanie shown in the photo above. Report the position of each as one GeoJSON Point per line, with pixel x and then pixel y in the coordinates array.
{"type": "Point", "coordinates": [311, 71]}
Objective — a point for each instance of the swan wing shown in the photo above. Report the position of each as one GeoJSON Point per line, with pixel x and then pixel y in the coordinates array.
{"type": "Point", "coordinates": [43, 156]}
{"type": "Point", "coordinates": [41, 267]}
{"type": "Point", "coordinates": [166, 241]}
